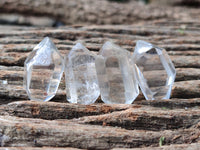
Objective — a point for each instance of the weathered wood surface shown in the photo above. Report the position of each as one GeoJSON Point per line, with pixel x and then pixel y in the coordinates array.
{"type": "Point", "coordinates": [36, 148]}
{"type": "Point", "coordinates": [171, 147]}
{"type": "Point", "coordinates": [47, 12]}
{"type": "Point", "coordinates": [125, 126]}
{"type": "Point", "coordinates": [60, 125]}
{"type": "Point", "coordinates": [101, 126]}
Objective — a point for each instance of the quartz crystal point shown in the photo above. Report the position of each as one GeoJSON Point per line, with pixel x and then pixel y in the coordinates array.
{"type": "Point", "coordinates": [43, 71]}
{"type": "Point", "coordinates": [155, 71]}
{"type": "Point", "coordinates": [80, 76]}
{"type": "Point", "coordinates": [116, 77]}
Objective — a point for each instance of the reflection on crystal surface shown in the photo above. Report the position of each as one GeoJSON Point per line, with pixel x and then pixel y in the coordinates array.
{"type": "Point", "coordinates": [80, 76]}
{"type": "Point", "coordinates": [43, 71]}
{"type": "Point", "coordinates": [115, 75]}
{"type": "Point", "coordinates": [155, 71]}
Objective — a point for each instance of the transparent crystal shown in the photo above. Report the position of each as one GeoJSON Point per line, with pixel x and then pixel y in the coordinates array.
{"type": "Point", "coordinates": [80, 76]}
{"type": "Point", "coordinates": [155, 71]}
{"type": "Point", "coordinates": [116, 77]}
{"type": "Point", "coordinates": [43, 71]}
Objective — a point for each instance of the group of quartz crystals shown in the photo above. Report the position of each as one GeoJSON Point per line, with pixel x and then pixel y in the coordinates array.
{"type": "Point", "coordinates": [113, 73]}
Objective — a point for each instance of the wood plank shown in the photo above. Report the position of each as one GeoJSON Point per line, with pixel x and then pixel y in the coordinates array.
{"type": "Point", "coordinates": [26, 124]}
{"type": "Point", "coordinates": [36, 132]}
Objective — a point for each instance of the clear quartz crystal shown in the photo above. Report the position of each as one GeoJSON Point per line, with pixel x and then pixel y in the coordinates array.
{"type": "Point", "coordinates": [155, 71]}
{"type": "Point", "coordinates": [43, 71]}
{"type": "Point", "coordinates": [116, 77]}
{"type": "Point", "coordinates": [80, 76]}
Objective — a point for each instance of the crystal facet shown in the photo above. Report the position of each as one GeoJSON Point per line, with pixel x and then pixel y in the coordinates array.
{"type": "Point", "coordinates": [80, 75]}
{"type": "Point", "coordinates": [115, 73]}
{"type": "Point", "coordinates": [43, 71]}
{"type": "Point", "coordinates": [155, 71]}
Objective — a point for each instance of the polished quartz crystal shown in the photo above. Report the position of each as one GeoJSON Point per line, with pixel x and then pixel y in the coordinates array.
{"type": "Point", "coordinates": [155, 71]}
{"type": "Point", "coordinates": [43, 71]}
{"type": "Point", "coordinates": [115, 73]}
{"type": "Point", "coordinates": [80, 75]}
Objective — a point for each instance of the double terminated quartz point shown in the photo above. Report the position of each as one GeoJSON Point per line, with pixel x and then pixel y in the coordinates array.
{"type": "Point", "coordinates": [43, 71]}
{"type": "Point", "coordinates": [115, 73]}
{"type": "Point", "coordinates": [80, 76]}
{"type": "Point", "coordinates": [155, 71]}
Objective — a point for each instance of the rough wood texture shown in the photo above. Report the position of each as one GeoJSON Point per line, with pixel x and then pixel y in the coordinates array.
{"type": "Point", "coordinates": [60, 125]}
{"type": "Point", "coordinates": [95, 12]}
{"type": "Point", "coordinates": [32, 148]}
{"type": "Point", "coordinates": [100, 126]}
{"type": "Point", "coordinates": [109, 133]}
{"type": "Point", "coordinates": [171, 147]}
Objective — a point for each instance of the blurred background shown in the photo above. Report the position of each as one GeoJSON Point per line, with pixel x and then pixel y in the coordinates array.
{"type": "Point", "coordinates": [56, 13]}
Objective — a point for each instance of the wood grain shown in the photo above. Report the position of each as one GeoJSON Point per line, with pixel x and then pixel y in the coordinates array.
{"type": "Point", "coordinates": [58, 124]}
